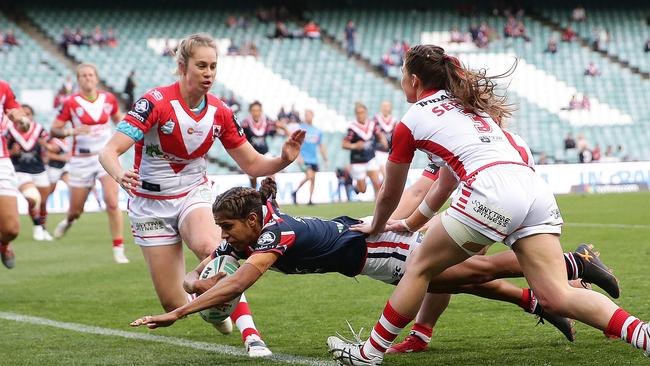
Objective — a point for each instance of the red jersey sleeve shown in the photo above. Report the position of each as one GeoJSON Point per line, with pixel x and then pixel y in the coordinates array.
{"type": "Point", "coordinates": [144, 113]}
{"type": "Point", "coordinates": [232, 135]}
{"type": "Point", "coordinates": [113, 102]}
{"type": "Point", "coordinates": [10, 97]}
{"type": "Point", "coordinates": [402, 144]}
{"type": "Point", "coordinates": [64, 113]}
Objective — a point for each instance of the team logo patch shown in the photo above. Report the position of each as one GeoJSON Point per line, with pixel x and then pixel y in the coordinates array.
{"type": "Point", "coordinates": [168, 127]}
{"type": "Point", "coordinates": [79, 111]}
{"type": "Point", "coordinates": [141, 105]}
{"type": "Point", "coordinates": [156, 95]}
{"type": "Point", "coordinates": [267, 238]}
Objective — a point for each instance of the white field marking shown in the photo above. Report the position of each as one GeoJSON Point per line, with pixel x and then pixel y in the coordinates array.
{"type": "Point", "coordinates": [614, 226]}
{"type": "Point", "coordinates": [204, 346]}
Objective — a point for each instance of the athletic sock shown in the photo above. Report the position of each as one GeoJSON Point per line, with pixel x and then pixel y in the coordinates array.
{"type": "Point", "coordinates": [35, 215]}
{"type": "Point", "coordinates": [629, 328]}
{"type": "Point", "coordinates": [43, 217]}
{"type": "Point", "coordinates": [529, 302]}
{"type": "Point", "coordinates": [118, 242]}
{"type": "Point", "coordinates": [574, 266]}
{"type": "Point", "coordinates": [243, 319]}
{"type": "Point", "coordinates": [422, 331]}
{"type": "Point", "coordinates": [384, 333]}
{"type": "Point", "coordinates": [3, 246]}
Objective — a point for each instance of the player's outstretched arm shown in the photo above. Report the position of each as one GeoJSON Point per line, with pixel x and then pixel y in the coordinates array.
{"type": "Point", "coordinates": [225, 290]}
{"type": "Point", "coordinates": [257, 165]}
{"type": "Point", "coordinates": [109, 158]}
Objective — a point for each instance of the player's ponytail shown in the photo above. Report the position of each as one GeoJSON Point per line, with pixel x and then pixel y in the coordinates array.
{"type": "Point", "coordinates": [474, 90]}
{"type": "Point", "coordinates": [237, 203]}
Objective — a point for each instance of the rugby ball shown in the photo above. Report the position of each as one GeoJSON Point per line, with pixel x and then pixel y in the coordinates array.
{"type": "Point", "coordinates": [229, 266]}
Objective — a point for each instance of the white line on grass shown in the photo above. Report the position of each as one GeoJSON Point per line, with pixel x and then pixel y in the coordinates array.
{"type": "Point", "coordinates": [614, 226]}
{"type": "Point", "coordinates": [204, 346]}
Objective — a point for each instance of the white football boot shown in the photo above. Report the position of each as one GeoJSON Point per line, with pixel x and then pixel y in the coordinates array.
{"type": "Point", "coordinates": [37, 233]}
{"type": "Point", "coordinates": [225, 327]}
{"type": "Point", "coordinates": [256, 347]}
{"type": "Point", "coordinates": [347, 353]}
{"type": "Point", "coordinates": [46, 235]}
{"type": "Point", "coordinates": [61, 228]}
{"type": "Point", "coordinates": [118, 255]}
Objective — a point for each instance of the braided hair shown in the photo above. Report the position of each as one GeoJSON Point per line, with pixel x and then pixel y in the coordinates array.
{"type": "Point", "coordinates": [238, 202]}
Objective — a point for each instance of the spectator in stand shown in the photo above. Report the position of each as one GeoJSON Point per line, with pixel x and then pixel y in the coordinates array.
{"type": "Point", "coordinates": [551, 47]}
{"type": "Point", "coordinates": [569, 35]}
{"type": "Point", "coordinates": [78, 38]}
{"type": "Point", "coordinates": [111, 40]}
{"type": "Point", "coordinates": [585, 104]}
{"type": "Point", "coordinates": [98, 37]}
{"type": "Point", "coordinates": [595, 153]}
{"type": "Point", "coordinates": [522, 31]}
{"type": "Point", "coordinates": [620, 153]}
{"type": "Point", "coordinates": [67, 39]}
{"type": "Point", "coordinates": [386, 63]}
{"type": "Point", "coordinates": [233, 103]}
{"type": "Point", "coordinates": [510, 28]}
{"type": "Point", "coordinates": [579, 14]}
{"type": "Point", "coordinates": [592, 70]}
{"type": "Point", "coordinates": [10, 38]}
{"type": "Point", "coordinates": [231, 21]}
{"type": "Point", "coordinates": [455, 36]}
{"type": "Point", "coordinates": [397, 50]}
{"type": "Point", "coordinates": [647, 46]}
{"type": "Point", "coordinates": [311, 30]}
{"type": "Point", "coordinates": [233, 50]}
{"type": "Point", "coordinates": [3, 46]}
{"type": "Point", "coordinates": [129, 89]}
{"type": "Point", "coordinates": [488, 31]}
{"type": "Point", "coordinates": [350, 35]}
{"type": "Point", "coordinates": [168, 50]}
{"type": "Point", "coordinates": [581, 143]}
{"type": "Point", "coordinates": [474, 32]}
{"type": "Point", "coordinates": [584, 155]}
{"type": "Point", "coordinates": [542, 160]}
{"type": "Point", "coordinates": [281, 31]}
{"type": "Point", "coordinates": [575, 103]}
{"type": "Point", "coordinates": [569, 142]}
{"type": "Point", "coordinates": [249, 49]}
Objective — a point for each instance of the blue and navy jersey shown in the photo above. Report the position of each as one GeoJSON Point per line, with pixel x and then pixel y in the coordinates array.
{"type": "Point", "coordinates": [307, 244]}
{"type": "Point", "coordinates": [366, 133]}
{"type": "Point", "coordinates": [30, 156]}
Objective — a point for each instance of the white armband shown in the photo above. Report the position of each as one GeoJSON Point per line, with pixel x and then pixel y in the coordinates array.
{"type": "Point", "coordinates": [425, 210]}
{"type": "Point", "coordinates": [403, 221]}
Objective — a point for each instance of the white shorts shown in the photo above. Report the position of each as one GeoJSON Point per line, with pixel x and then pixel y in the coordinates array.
{"type": "Point", "coordinates": [40, 179]}
{"type": "Point", "coordinates": [55, 174]}
{"type": "Point", "coordinates": [8, 184]}
{"type": "Point", "coordinates": [84, 170]}
{"type": "Point", "coordinates": [381, 157]}
{"type": "Point", "coordinates": [387, 254]}
{"type": "Point", "coordinates": [506, 203]}
{"type": "Point", "coordinates": [157, 222]}
{"type": "Point", "coordinates": [359, 170]}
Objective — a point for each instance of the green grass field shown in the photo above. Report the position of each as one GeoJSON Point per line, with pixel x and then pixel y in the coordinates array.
{"type": "Point", "coordinates": [75, 280]}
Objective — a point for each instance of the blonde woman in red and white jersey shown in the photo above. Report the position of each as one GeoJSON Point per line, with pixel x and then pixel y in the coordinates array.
{"type": "Point", "coordinates": [10, 111]}
{"type": "Point", "coordinates": [172, 128]}
{"type": "Point", "coordinates": [495, 196]}
{"type": "Point", "coordinates": [90, 112]}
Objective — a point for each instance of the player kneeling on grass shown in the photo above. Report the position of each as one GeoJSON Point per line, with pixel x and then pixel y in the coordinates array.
{"type": "Point", "coordinates": [255, 230]}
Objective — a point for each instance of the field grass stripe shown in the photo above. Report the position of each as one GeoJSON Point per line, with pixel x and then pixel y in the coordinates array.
{"type": "Point", "coordinates": [204, 346]}
{"type": "Point", "coordinates": [609, 226]}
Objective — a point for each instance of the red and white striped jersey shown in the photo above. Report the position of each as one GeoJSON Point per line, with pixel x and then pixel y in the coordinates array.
{"type": "Point", "coordinates": [386, 124]}
{"type": "Point", "coordinates": [454, 137]}
{"type": "Point", "coordinates": [7, 102]}
{"type": "Point", "coordinates": [96, 114]}
{"type": "Point", "coordinates": [171, 155]}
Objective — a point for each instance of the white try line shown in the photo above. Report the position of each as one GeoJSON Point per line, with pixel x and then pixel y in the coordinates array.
{"type": "Point", "coordinates": [204, 346]}
{"type": "Point", "coordinates": [609, 226]}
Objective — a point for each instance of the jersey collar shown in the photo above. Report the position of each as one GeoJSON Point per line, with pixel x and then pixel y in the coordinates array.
{"type": "Point", "coordinates": [426, 94]}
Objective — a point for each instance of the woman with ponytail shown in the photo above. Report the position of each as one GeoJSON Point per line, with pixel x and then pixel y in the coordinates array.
{"type": "Point", "coordinates": [495, 197]}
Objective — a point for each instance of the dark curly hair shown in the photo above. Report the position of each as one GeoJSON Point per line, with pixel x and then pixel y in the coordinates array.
{"type": "Point", "coordinates": [239, 202]}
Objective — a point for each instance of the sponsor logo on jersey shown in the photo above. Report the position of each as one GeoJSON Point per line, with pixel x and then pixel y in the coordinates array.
{"type": "Point", "coordinates": [192, 131]}
{"type": "Point", "coordinates": [152, 150]}
{"type": "Point", "coordinates": [141, 106]}
{"type": "Point", "coordinates": [556, 214]}
{"type": "Point", "coordinates": [490, 214]}
{"type": "Point", "coordinates": [268, 237]}
{"type": "Point", "coordinates": [168, 127]}
{"type": "Point", "coordinates": [149, 225]}
{"type": "Point", "coordinates": [79, 111]}
{"type": "Point", "coordinates": [484, 139]}
{"type": "Point", "coordinates": [434, 100]}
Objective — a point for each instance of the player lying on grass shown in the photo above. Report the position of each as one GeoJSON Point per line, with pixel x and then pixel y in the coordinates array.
{"type": "Point", "coordinates": [581, 264]}
{"type": "Point", "coordinates": [255, 230]}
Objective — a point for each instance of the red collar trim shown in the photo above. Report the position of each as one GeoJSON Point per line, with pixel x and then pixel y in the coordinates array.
{"type": "Point", "coordinates": [427, 93]}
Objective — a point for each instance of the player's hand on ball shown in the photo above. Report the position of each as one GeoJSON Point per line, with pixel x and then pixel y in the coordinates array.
{"type": "Point", "coordinates": [129, 180]}
{"type": "Point", "coordinates": [156, 321]}
{"type": "Point", "coordinates": [291, 147]}
{"type": "Point", "coordinates": [201, 286]}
